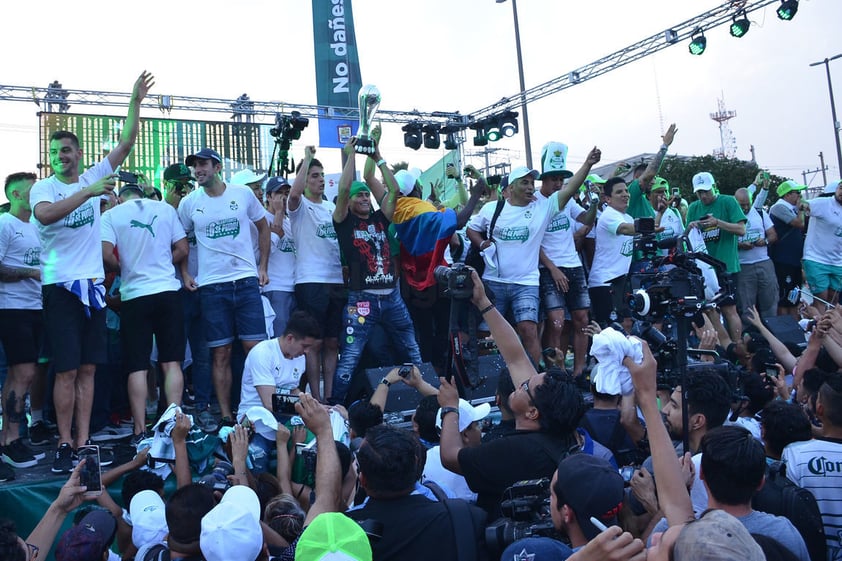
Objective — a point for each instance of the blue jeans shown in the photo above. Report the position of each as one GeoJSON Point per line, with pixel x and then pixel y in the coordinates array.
{"type": "Point", "coordinates": [195, 330]}
{"type": "Point", "coordinates": [361, 313]}
{"type": "Point", "coordinates": [232, 310]}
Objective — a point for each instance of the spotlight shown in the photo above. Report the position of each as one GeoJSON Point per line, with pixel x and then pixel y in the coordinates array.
{"type": "Point", "coordinates": [739, 27]}
{"type": "Point", "coordinates": [431, 136]}
{"type": "Point", "coordinates": [698, 42]}
{"type": "Point", "coordinates": [450, 140]}
{"type": "Point", "coordinates": [508, 123]}
{"type": "Point", "coordinates": [492, 129]}
{"type": "Point", "coordinates": [480, 139]}
{"type": "Point", "coordinates": [412, 135]}
{"type": "Point", "coordinates": [787, 9]}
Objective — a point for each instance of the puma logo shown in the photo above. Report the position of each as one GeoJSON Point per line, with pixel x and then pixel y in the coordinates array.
{"type": "Point", "coordinates": [139, 224]}
{"type": "Point", "coordinates": [18, 235]}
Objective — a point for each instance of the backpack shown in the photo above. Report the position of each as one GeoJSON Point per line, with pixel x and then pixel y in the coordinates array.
{"type": "Point", "coordinates": [473, 258]}
{"type": "Point", "coordinates": [781, 497]}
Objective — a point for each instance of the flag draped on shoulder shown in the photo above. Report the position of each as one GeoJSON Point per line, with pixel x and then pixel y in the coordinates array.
{"type": "Point", "coordinates": [424, 233]}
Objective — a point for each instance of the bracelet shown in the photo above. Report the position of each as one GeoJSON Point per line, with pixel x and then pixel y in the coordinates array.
{"type": "Point", "coordinates": [381, 162]}
{"type": "Point", "coordinates": [486, 309]}
{"type": "Point", "coordinates": [446, 410]}
{"type": "Point", "coordinates": [664, 147]}
{"type": "Point", "coordinates": [385, 382]}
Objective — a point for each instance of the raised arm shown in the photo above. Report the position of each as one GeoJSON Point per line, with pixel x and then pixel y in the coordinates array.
{"type": "Point", "coordinates": [343, 197]}
{"type": "Point", "coordinates": [477, 189]}
{"type": "Point", "coordinates": [565, 193]}
{"type": "Point", "coordinates": [328, 469]}
{"type": "Point", "coordinates": [298, 186]}
{"type": "Point", "coordinates": [653, 167]}
{"type": "Point", "coordinates": [127, 138]}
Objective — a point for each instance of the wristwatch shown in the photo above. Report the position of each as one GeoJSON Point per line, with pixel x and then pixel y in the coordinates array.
{"type": "Point", "coordinates": [446, 410]}
{"type": "Point", "coordinates": [385, 382]}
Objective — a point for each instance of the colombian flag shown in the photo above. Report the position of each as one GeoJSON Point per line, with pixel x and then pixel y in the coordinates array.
{"type": "Point", "coordinates": [424, 233]}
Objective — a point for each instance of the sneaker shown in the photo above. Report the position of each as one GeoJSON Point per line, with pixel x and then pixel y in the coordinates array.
{"type": "Point", "coordinates": [18, 454]}
{"type": "Point", "coordinates": [206, 421]}
{"type": "Point", "coordinates": [137, 439]}
{"type": "Point", "coordinates": [111, 432]}
{"type": "Point", "coordinates": [40, 434]}
{"type": "Point", "coordinates": [63, 462]}
{"type": "Point", "coordinates": [227, 422]}
{"type": "Point", "coordinates": [6, 472]}
{"type": "Point", "coordinates": [37, 454]}
{"type": "Point", "coordinates": [106, 457]}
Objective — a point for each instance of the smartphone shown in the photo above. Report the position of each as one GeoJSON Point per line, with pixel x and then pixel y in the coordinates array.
{"type": "Point", "coordinates": [91, 474]}
{"type": "Point", "coordinates": [675, 192]}
{"type": "Point", "coordinates": [284, 404]}
{"type": "Point", "coordinates": [127, 177]}
{"type": "Point", "coordinates": [627, 472]}
{"type": "Point", "coordinates": [771, 370]}
{"type": "Point", "coordinates": [548, 353]}
{"type": "Point", "coordinates": [405, 371]}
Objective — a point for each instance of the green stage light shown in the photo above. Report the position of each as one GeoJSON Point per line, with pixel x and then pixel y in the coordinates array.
{"type": "Point", "coordinates": [698, 43]}
{"type": "Point", "coordinates": [787, 9]}
{"type": "Point", "coordinates": [739, 27]}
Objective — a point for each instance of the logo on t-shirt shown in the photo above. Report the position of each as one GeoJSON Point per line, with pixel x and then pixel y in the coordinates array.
{"type": "Point", "coordinates": [147, 227]}
{"type": "Point", "coordinates": [560, 222]}
{"type": "Point", "coordinates": [285, 245]}
{"type": "Point", "coordinates": [628, 247]}
{"type": "Point", "coordinates": [32, 257]}
{"type": "Point", "coordinates": [80, 217]}
{"type": "Point", "coordinates": [233, 205]}
{"type": "Point", "coordinates": [712, 235]}
{"type": "Point", "coordinates": [326, 231]}
{"type": "Point", "coordinates": [222, 228]}
{"type": "Point", "coordinates": [514, 233]}
{"type": "Point", "coordinates": [824, 466]}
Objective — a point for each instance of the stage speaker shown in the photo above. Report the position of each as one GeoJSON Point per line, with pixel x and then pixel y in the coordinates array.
{"type": "Point", "coordinates": [787, 330]}
{"type": "Point", "coordinates": [404, 399]}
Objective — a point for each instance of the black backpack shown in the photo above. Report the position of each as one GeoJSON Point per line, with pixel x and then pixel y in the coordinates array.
{"type": "Point", "coordinates": [781, 497]}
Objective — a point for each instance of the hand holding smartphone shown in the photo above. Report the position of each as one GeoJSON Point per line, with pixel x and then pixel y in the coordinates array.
{"type": "Point", "coordinates": [91, 474]}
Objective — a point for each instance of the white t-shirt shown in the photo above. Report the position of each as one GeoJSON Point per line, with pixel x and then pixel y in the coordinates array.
{"type": "Point", "coordinates": [613, 254]}
{"type": "Point", "coordinates": [220, 225]}
{"type": "Point", "coordinates": [266, 365]}
{"type": "Point", "coordinates": [19, 247]}
{"type": "Point", "coordinates": [446, 479]}
{"type": "Point", "coordinates": [518, 233]}
{"type": "Point", "coordinates": [558, 244]}
{"type": "Point", "coordinates": [143, 231]}
{"type": "Point", "coordinates": [673, 227]}
{"type": "Point", "coordinates": [317, 257]}
{"type": "Point", "coordinates": [70, 248]}
{"type": "Point", "coordinates": [756, 226]}
{"type": "Point", "coordinates": [281, 259]}
{"type": "Point", "coordinates": [824, 232]}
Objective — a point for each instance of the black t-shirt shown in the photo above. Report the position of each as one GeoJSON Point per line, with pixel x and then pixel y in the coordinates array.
{"type": "Point", "coordinates": [416, 528]}
{"type": "Point", "coordinates": [492, 467]}
{"type": "Point", "coordinates": [364, 244]}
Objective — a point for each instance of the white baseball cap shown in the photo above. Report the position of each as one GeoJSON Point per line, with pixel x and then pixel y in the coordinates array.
{"type": "Point", "coordinates": [467, 414]}
{"type": "Point", "coordinates": [703, 181]}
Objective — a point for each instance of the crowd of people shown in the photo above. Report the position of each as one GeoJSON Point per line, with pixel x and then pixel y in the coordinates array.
{"type": "Point", "coordinates": [604, 448]}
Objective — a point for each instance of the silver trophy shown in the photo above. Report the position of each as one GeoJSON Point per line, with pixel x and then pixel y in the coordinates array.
{"type": "Point", "coordinates": [369, 101]}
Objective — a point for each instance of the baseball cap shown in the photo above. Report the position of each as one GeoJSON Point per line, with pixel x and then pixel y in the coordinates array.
{"type": "Point", "coordinates": [716, 536]}
{"type": "Point", "coordinates": [703, 181]}
{"type": "Point", "coordinates": [231, 530]}
{"type": "Point", "coordinates": [132, 187]}
{"type": "Point", "coordinates": [537, 549]}
{"type": "Point", "coordinates": [592, 487]}
{"type": "Point", "coordinates": [358, 187]}
{"type": "Point", "coordinates": [276, 184]}
{"type": "Point", "coordinates": [332, 536]}
{"type": "Point", "coordinates": [554, 160]}
{"type": "Point", "coordinates": [406, 181]}
{"type": "Point", "coordinates": [149, 522]}
{"type": "Point", "coordinates": [522, 171]}
{"type": "Point", "coordinates": [89, 538]}
{"type": "Point", "coordinates": [660, 183]}
{"type": "Point", "coordinates": [265, 423]}
{"type": "Point", "coordinates": [830, 188]}
{"type": "Point", "coordinates": [467, 414]}
{"type": "Point", "coordinates": [177, 171]}
{"type": "Point", "coordinates": [594, 178]}
{"type": "Point", "coordinates": [788, 187]}
{"type": "Point", "coordinates": [247, 176]}
{"type": "Point", "coordinates": [203, 154]}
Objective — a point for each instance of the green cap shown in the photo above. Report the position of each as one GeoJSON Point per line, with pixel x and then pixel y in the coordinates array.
{"type": "Point", "coordinates": [788, 187]}
{"type": "Point", "coordinates": [358, 187]}
{"type": "Point", "coordinates": [660, 183]}
{"type": "Point", "coordinates": [333, 536]}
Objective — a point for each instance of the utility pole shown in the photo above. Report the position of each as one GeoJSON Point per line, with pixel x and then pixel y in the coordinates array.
{"type": "Point", "coordinates": [823, 168]}
{"type": "Point", "coordinates": [826, 63]}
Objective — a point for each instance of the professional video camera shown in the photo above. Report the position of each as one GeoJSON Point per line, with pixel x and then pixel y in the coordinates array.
{"type": "Point", "coordinates": [289, 127]}
{"type": "Point", "coordinates": [526, 513]}
{"type": "Point", "coordinates": [645, 238]}
{"type": "Point", "coordinates": [456, 280]}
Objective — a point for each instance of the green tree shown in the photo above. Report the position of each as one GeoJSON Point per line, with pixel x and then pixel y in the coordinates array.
{"type": "Point", "coordinates": [399, 166]}
{"type": "Point", "coordinates": [729, 174]}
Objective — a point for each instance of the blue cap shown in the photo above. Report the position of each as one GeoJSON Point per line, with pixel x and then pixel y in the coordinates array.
{"type": "Point", "coordinates": [276, 184]}
{"type": "Point", "coordinates": [203, 154]}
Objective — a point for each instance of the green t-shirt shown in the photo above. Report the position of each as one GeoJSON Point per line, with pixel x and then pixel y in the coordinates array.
{"type": "Point", "coordinates": [720, 244]}
{"type": "Point", "coordinates": [639, 205]}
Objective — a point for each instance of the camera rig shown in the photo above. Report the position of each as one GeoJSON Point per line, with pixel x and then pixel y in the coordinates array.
{"type": "Point", "coordinates": [287, 128]}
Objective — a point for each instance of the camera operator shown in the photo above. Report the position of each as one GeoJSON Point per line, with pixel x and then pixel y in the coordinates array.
{"type": "Point", "coordinates": [373, 297]}
{"type": "Point", "coordinates": [546, 408]}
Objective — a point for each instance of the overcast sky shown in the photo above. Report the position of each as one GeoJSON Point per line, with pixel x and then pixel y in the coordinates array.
{"type": "Point", "coordinates": [453, 55]}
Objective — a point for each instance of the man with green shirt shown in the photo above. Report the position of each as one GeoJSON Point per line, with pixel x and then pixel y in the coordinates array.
{"type": "Point", "coordinates": [721, 221]}
{"type": "Point", "coordinates": [640, 205]}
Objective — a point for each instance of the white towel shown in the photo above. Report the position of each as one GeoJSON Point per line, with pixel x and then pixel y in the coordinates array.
{"type": "Point", "coordinates": [609, 348]}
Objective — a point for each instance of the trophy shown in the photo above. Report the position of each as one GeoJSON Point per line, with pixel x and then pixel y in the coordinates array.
{"type": "Point", "coordinates": [369, 102]}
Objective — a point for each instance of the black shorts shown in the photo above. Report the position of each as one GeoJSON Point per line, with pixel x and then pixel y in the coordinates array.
{"type": "Point", "coordinates": [75, 336]}
{"type": "Point", "coordinates": [161, 315]}
{"type": "Point", "coordinates": [21, 334]}
{"type": "Point", "coordinates": [325, 302]}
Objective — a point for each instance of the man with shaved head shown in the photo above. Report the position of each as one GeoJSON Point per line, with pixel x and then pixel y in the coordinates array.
{"type": "Point", "coordinates": [757, 284]}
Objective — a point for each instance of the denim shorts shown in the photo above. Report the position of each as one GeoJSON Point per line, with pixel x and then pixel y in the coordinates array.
{"type": "Point", "coordinates": [521, 299]}
{"type": "Point", "coordinates": [232, 309]}
{"type": "Point", "coordinates": [820, 277]}
{"type": "Point", "coordinates": [576, 297]}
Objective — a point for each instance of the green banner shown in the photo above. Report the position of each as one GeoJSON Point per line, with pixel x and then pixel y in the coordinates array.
{"type": "Point", "coordinates": [338, 78]}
